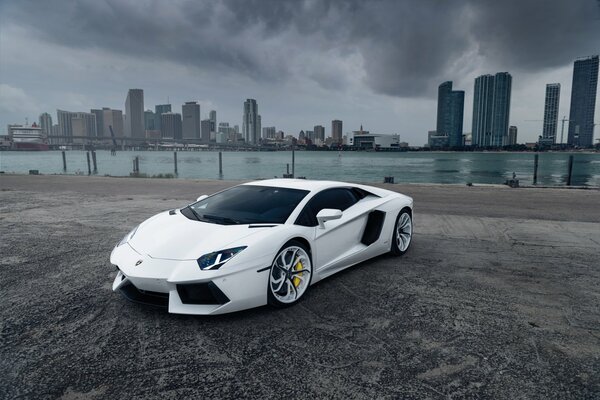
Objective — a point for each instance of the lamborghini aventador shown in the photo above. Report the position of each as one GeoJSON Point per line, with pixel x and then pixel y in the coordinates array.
{"type": "Point", "coordinates": [263, 242]}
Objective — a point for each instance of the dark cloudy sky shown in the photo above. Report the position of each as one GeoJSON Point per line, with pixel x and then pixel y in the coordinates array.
{"type": "Point", "coordinates": [306, 62]}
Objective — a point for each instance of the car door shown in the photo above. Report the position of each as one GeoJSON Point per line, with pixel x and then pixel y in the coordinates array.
{"type": "Point", "coordinates": [339, 238]}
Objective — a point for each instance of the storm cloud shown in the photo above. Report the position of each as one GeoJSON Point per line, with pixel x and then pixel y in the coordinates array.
{"type": "Point", "coordinates": [404, 47]}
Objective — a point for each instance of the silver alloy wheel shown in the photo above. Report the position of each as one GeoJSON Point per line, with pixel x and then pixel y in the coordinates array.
{"type": "Point", "coordinates": [403, 231]}
{"type": "Point", "coordinates": [290, 274]}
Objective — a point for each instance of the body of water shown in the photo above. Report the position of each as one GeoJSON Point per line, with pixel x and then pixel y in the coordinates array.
{"type": "Point", "coordinates": [410, 167]}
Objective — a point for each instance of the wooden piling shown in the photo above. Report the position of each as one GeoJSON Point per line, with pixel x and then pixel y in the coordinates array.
{"type": "Point", "coordinates": [570, 173]}
{"type": "Point", "coordinates": [64, 157]}
{"type": "Point", "coordinates": [535, 168]}
{"type": "Point", "coordinates": [88, 162]}
{"type": "Point", "coordinates": [175, 161]}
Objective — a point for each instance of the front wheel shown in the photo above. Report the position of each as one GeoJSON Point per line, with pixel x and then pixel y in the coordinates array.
{"type": "Point", "coordinates": [402, 233]}
{"type": "Point", "coordinates": [290, 275]}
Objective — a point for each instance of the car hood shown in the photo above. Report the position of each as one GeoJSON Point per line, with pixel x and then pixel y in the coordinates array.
{"type": "Point", "coordinates": [176, 237]}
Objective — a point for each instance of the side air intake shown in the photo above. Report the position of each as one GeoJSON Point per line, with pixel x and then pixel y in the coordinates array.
{"type": "Point", "coordinates": [373, 227]}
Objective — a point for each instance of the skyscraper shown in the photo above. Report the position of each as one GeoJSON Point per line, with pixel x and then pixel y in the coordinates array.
{"type": "Point", "coordinates": [76, 124]}
{"type": "Point", "coordinates": [190, 113]}
{"type": "Point", "coordinates": [212, 115]}
{"type": "Point", "coordinates": [46, 124]}
{"type": "Point", "coordinates": [451, 105]}
{"type": "Point", "coordinates": [171, 125]}
{"type": "Point", "coordinates": [134, 112]}
{"type": "Point", "coordinates": [149, 120]}
{"type": "Point", "coordinates": [205, 130]}
{"type": "Point", "coordinates": [491, 109]}
{"type": "Point", "coordinates": [512, 136]}
{"type": "Point", "coordinates": [319, 133]}
{"type": "Point", "coordinates": [336, 131]}
{"type": "Point", "coordinates": [158, 111]}
{"type": "Point", "coordinates": [583, 102]}
{"type": "Point", "coordinates": [268, 132]}
{"type": "Point", "coordinates": [501, 108]}
{"type": "Point", "coordinates": [251, 124]}
{"type": "Point", "coordinates": [551, 112]}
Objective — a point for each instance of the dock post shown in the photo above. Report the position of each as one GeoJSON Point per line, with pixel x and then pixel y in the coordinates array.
{"type": "Point", "coordinates": [94, 162]}
{"type": "Point", "coordinates": [220, 163]}
{"type": "Point", "coordinates": [288, 168]}
{"type": "Point", "coordinates": [570, 170]}
{"type": "Point", "coordinates": [175, 161]}
{"type": "Point", "coordinates": [137, 164]}
{"type": "Point", "coordinates": [293, 161]}
{"type": "Point", "coordinates": [535, 168]}
{"type": "Point", "coordinates": [88, 161]}
{"type": "Point", "coordinates": [64, 161]}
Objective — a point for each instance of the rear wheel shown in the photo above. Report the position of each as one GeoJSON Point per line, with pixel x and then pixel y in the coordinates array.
{"type": "Point", "coordinates": [402, 232]}
{"type": "Point", "coordinates": [290, 274]}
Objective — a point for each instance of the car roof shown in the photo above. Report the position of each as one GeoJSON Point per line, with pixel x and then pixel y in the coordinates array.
{"type": "Point", "coordinates": [314, 185]}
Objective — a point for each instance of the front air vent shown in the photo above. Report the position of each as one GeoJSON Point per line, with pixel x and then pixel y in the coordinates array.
{"type": "Point", "coordinates": [172, 212]}
{"type": "Point", "coordinates": [201, 293]}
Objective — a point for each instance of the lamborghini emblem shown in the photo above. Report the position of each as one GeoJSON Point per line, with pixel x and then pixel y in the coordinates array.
{"type": "Point", "coordinates": [139, 262]}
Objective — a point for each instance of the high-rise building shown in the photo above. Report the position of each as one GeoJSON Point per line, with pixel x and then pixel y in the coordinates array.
{"type": "Point", "coordinates": [269, 132]}
{"type": "Point", "coordinates": [501, 108]}
{"type": "Point", "coordinates": [107, 118]}
{"type": "Point", "coordinates": [149, 124]}
{"type": "Point", "coordinates": [170, 125]}
{"type": "Point", "coordinates": [158, 111]}
{"type": "Point", "coordinates": [45, 121]}
{"type": "Point", "coordinates": [212, 115]}
{"type": "Point", "coordinates": [190, 113]}
{"type": "Point", "coordinates": [205, 130]}
{"type": "Point", "coordinates": [251, 123]}
{"type": "Point", "coordinates": [512, 136]}
{"type": "Point", "coordinates": [583, 102]}
{"type": "Point", "coordinates": [491, 109]}
{"type": "Point", "coordinates": [336, 131]}
{"type": "Point", "coordinates": [76, 124]}
{"type": "Point", "coordinates": [451, 104]}
{"type": "Point", "coordinates": [319, 131]}
{"type": "Point", "coordinates": [551, 112]}
{"type": "Point", "coordinates": [134, 114]}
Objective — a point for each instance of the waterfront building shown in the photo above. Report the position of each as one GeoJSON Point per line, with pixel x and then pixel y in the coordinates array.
{"type": "Point", "coordinates": [171, 125]}
{"type": "Point", "coordinates": [78, 124]}
{"type": "Point", "coordinates": [212, 115]}
{"type": "Point", "coordinates": [45, 124]}
{"type": "Point", "coordinates": [319, 131]}
{"type": "Point", "coordinates": [583, 102]}
{"type": "Point", "coordinates": [149, 120]}
{"type": "Point", "coordinates": [158, 111]}
{"type": "Point", "coordinates": [268, 132]}
{"type": "Point", "coordinates": [491, 109]}
{"type": "Point", "coordinates": [251, 122]}
{"type": "Point", "coordinates": [134, 114]}
{"type": "Point", "coordinates": [551, 105]}
{"type": "Point", "coordinates": [512, 135]}
{"type": "Point", "coordinates": [371, 141]}
{"type": "Point", "coordinates": [450, 113]}
{"type": "Point", "coordinates": [107, 118]}
{"type": "Point", "coordinates": [205, 130]}
{"type": "Point", "coordinates": [336, 131]}
{"type": "Point", "coordinates": [190, 113]}
{"type": "Point", "coordinates": [437, 141]}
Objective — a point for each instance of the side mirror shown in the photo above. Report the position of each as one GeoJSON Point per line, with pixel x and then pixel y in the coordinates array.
{"type": "Point", "coordinates": [202, 197]}
{"type": "Point", "coordinates": [328, 214]}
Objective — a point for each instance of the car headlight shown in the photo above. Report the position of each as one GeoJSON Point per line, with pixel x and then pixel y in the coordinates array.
{"type": "Point", "coordinates": [218, 258]}
{"type": "Point", "coordinates": [128, 237]}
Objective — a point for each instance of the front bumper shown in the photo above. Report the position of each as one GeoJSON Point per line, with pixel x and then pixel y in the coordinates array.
{"type": "Point", "coordinates": [183, 288]}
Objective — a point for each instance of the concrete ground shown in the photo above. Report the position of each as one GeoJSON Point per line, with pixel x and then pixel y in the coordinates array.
{"type": "Point", "coordinates": [498, 297]}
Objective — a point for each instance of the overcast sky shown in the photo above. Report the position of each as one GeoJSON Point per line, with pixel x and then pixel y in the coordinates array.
{"type": "Point", "coordinates": [376, 63]}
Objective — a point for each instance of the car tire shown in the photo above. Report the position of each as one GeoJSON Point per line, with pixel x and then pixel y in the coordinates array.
{"type": "Point", "coordinates": [290, 274]}
{"type": "Point", "coordinates": [402, 235]}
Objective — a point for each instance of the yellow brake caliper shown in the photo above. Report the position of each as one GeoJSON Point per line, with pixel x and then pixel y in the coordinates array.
{"type": "Point", "coordinates": [296, 280]}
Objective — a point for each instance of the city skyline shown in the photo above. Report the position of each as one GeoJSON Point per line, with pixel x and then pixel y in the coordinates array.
{"type": "Point", "coordinates": [310, 76]}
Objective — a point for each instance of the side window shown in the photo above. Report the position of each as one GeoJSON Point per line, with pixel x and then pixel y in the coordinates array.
{"type": "Point", "coordinates": [339, 199]}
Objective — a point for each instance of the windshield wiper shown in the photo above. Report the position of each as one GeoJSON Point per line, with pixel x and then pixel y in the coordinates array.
{"type": "Point", "coordinates": [195, 213]}
{"type": "Point", "coordinates": [225, 220]}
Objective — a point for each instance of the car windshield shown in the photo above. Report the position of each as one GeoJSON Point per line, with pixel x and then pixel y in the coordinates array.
{"type": "Point", "coordinates": [247, 204]}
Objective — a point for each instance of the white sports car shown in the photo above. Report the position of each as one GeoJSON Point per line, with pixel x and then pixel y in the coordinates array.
{"type": "Point", "coordinates": [258, 243]}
